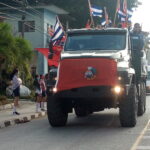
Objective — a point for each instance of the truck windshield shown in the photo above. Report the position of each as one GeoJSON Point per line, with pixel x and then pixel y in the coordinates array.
{"type": "Point", "coordinates": [95, 42]}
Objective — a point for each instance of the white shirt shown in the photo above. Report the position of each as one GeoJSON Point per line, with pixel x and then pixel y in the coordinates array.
{"type": "Point", "coordinates": [15, 82]}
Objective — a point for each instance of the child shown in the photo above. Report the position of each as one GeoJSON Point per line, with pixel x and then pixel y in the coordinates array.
{"type": "Point", "coordinates": [38, 92]}
{"type": "Point", "coordinates": [43, 88]}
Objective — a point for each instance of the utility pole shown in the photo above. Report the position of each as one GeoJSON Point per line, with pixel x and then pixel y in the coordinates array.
{"type": "Point", "coordinates": [24, 3]}
{"type": "Point", "coordinates": [22, 25]}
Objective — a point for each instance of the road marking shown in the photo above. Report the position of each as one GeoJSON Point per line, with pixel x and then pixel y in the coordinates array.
{"type": "Point", "coordinates": [143, 148]}
{"type": "Point", "coordinates": [135, 145]}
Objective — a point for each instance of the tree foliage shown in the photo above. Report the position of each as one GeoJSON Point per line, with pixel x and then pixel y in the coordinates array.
{"type": "Point", "coordinates": [14, 52]}
{"type": "Point", "coordinates": [79, 9]}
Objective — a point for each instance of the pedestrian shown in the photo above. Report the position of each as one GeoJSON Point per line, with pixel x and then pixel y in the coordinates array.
{"type": "Point", "coordinates": [44, 96]}
{"type": "Point", "coordinates": [38, 92]}
{"type": "Point", "coordinates": [16, 82]}
{"type": "Point", "coordinates": [47, 84]}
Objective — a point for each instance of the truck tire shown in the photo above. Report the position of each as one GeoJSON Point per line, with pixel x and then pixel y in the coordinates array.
{"type": "Point", "coordinates": [56, 115]}
{"type": "Point", "coordinates": [128, 108]}
{"type": "Point", "coordinates": [142, 100]}
{"type": "Point", "coordinates": [80, 111]}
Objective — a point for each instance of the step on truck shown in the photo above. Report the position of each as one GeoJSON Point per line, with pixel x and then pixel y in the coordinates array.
{"type": "Point", "coordinates": [99, 69]}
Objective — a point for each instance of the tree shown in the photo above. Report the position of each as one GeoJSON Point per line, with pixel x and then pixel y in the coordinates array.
{"type": "Point", "coordinates": [14, 52]}
{"type": "Point", "coordinates": [79, 9]}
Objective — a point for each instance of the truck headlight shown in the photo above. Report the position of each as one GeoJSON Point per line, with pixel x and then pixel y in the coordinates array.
{"type": "Point", "coordinates": [117, 89]}
{"type": "Point", "coordinates": [55, 90]}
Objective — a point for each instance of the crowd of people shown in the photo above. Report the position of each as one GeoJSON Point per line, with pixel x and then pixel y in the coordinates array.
{"type": "Point", "coordinates": [40, 88]}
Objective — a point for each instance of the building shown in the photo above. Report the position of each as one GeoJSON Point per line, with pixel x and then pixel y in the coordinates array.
{"type": "Point", "coordinates": [32, 23]}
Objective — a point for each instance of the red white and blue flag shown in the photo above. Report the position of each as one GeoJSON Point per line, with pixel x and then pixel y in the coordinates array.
{"type": "Point", "coordinates": [96, 11]}
{"type": "Point", "coordinates": [58, 31]}
{"type": "Point", "coordinates": [122, 10]}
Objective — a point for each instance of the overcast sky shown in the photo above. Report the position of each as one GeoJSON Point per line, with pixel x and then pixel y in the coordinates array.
{"type": "Point", "coordinates": [142, 15]}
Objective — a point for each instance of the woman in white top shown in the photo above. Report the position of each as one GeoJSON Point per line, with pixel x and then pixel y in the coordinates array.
{"type": "Point", "coordinates": [16, 82]}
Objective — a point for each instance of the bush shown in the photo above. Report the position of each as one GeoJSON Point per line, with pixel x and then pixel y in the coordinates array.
{"type": "Point", "coordinates": [3, 98]}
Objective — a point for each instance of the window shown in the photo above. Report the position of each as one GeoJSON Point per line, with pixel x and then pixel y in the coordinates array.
{"type": "Point", "coordinates": [105, 41]}
{"type": "Point", "coordinates": [29, 26]}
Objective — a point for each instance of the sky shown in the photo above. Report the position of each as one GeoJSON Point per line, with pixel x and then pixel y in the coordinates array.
{"type": "Point", "coordinates": [142, 15]}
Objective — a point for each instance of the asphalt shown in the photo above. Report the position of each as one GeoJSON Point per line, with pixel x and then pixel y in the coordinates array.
{"type": "Point", "coordinates": [26, 110]}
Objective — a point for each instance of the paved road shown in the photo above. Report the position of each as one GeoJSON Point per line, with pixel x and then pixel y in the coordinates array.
{"type": "Point", "coordinates": [100, 131]}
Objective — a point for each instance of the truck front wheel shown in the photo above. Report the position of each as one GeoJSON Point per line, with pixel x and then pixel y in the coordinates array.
{"type": "Point", "coordinates": [56, 114]}
{"type": "Point", "coordinates": [128, 108]}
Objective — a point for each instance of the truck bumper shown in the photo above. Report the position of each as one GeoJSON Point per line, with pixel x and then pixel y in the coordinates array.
{"type": "Point", "coordinates": [89, 92]}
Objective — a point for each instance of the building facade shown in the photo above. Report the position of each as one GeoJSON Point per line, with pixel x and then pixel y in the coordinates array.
{"type": "Point", "coordinates": [33, 26]}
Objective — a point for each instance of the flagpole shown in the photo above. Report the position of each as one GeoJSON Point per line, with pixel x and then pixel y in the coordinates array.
{"type": "Point", "coordinates": [92, 20]}
{"type": "Point", "coordinates": [126, 13]}
{"type": "Point", "coordinates": [117, 5]}
{"type": "Point", "coordinates": [106, 16]}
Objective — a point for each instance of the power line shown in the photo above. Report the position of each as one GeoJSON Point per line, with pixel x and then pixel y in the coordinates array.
{"type": "Point", "coordinates": [21, 11]}
{"type": "Point", "coordinates": [17, 9]}
{"type": "Point", "coordinates": [18, 19]}
{"type": "Point", "coordinates": [28, 6]}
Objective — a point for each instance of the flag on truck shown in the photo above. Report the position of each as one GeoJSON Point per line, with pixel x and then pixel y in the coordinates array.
{"type": "Point", "coordinates": [122, 10]}
{"type": "Point", "coordinates": [58, 31]}
{"type": "Point", "coordinates": [96, 11]}
{"type": "Point", "coordinates": [129, 13]}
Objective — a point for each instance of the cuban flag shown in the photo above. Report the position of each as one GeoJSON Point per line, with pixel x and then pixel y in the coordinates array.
{"type": "Point", "coordinates": [58, 31]}
{"type": "Point", "coordinates": [96, 11]}
{"type": "Point", "coordinates": [122, 10]}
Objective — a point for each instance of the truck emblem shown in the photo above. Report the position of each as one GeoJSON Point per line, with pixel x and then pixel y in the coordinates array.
{"type": "Point", "coordinates": [90, 74]}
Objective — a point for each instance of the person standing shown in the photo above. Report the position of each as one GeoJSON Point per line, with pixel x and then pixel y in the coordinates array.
{"type": "Point", "coordinates": [44, 96]}
{"type": "Point", "coordinates": [16, 82]}
{"type": "Point", "coordinates": [38, 92]}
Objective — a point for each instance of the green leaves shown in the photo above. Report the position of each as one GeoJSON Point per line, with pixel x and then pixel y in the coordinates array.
{"type": "Point", "coordinates": [14, 51]}
{"type": "Point", "coordinates": [79, 9]}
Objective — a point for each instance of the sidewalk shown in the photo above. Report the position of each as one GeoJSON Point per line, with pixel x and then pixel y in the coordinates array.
{"type": "Point", "coordinates": [26, 110]}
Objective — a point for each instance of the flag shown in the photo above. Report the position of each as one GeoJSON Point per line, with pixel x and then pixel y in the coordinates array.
{"type": "Point", "coordinates": [122, 10]}
{"type": "Point", "coordinates": [129, 15]}
{"type": "Point", "coordinates": [96, 11]}
{"type": "Point", "coordinates": [58, 31]}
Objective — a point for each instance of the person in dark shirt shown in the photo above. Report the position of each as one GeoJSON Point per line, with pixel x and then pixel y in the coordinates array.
{"type": "Point", "coordinates": [38, 92]}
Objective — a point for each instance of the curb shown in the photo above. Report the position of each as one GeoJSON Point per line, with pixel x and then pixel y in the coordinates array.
{"type": "Point", "coordinates": [23, 119]}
